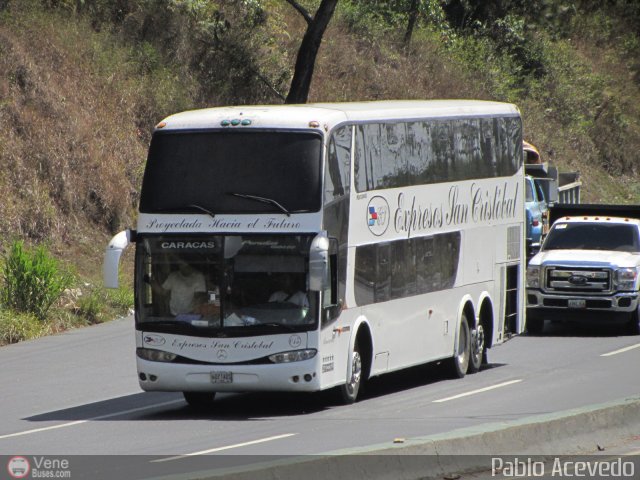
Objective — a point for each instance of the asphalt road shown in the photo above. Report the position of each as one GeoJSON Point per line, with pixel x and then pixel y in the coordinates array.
{"type": "Point", "coordinates": [77, 394]}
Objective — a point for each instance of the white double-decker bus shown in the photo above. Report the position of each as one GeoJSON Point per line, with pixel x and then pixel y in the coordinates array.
{"type": "Point", "coordinates": [306, 247]}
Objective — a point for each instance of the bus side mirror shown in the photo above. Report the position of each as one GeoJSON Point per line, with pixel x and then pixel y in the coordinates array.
{"type": "Point", "coordinates": [319, 278]}
{"type": "Point", "coordinates": [112, 257]}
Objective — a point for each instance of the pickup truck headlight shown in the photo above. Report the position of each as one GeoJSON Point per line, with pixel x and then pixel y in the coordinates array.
{"type": "Point", "coordinates": [625, 278]}
{"type": "Point", "coordinates": [533, 276]}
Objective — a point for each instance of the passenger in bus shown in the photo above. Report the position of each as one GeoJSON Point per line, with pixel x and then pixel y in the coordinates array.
{"type": "Point", "coordinates": [288, 293]}
{"type": "Point", "coordinates": [183, 285]}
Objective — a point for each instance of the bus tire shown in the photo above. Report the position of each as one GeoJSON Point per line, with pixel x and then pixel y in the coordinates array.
{"type": "Point", "coordinates": [478, 354]}
{"type": "Point", "coordinates": [349, 391]}
{"type": "Point", "coordinates": [199, 400]}
{"type": "Point", "coordinates": [459, 363]}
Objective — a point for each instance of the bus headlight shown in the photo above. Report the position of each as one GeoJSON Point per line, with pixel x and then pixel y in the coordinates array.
{"type": "Point", "coordinates": [293, 356]}
{"type": "Point", "coordinates": [625, 278]}
{"type": "Point", "coordinates": [155, 355]}
{"type": "Point", "coordinates": [533, 276]}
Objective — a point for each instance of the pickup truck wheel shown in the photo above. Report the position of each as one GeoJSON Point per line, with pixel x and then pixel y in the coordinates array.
{"type": "Point", "coordinates": [535, 324]}
{"type": "Point", "coordinates": [634, 322]}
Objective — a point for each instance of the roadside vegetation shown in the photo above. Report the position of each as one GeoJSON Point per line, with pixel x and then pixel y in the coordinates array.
{"type": "Point", "coordinates": [39, 296]}
{"type": "Point", "coordinates": [83, 82]}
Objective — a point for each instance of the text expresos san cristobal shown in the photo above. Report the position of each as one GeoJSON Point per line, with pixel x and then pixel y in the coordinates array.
{"type": "Point", "coordinates": [481, 205]}
{"type": "Point", "coordinates": [181, 344]}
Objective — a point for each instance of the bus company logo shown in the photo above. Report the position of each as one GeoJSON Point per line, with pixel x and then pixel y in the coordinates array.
{"type": "Point", "coordinates": [378, 215]}
{"type": "Point", "coordinates": [154, 340]}
{"type": "Point", "coordinates": [295, 341]}
{"type": "Point", "coordinates": [18, 467]}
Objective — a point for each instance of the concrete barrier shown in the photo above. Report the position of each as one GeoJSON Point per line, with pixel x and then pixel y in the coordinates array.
{"type": "Point", "coordinates": [576, 431]}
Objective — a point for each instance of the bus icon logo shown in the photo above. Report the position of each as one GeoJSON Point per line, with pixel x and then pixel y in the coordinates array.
{"type": "Point", "coordinates": [18, 467]}
{"type": "Point", "coordinates": [153, 340]}
{"type": "Point", "coordinates": [378, 215]}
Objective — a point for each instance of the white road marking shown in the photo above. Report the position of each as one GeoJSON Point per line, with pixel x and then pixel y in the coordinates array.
{"type": "Point", "coordinates": [228, 447]}
{"type": "Point", "coordinates": [78, 422]}
{"type": "Point", "coordinates": [622, 350]}
{"type": "Point", "coordinates": [480, 390]}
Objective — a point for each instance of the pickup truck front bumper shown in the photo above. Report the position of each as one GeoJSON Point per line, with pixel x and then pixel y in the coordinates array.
{"type": "Point", "coordinates": [580, 307]}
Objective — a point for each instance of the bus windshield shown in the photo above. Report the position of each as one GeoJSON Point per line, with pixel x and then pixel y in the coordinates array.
{"type": "Point", "coordinates": [203, 285]}
{"type": "Point", "coordinates": [233, 172]}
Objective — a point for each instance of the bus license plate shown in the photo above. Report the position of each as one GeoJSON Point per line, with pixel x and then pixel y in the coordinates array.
{"type": "Point", "coordinates": [577, 303]}
{"type": "Point", "coordinates": [221, 377]}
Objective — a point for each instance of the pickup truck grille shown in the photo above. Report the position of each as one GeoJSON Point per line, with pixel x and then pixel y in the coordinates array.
{"type": "Point", "coordinates": [591, 280]}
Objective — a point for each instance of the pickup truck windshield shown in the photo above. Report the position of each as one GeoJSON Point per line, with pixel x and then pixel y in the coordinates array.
{"type": "Point", "coordinates": [233, 172]}
{"type": "Point", "coordinates": [592, 236]}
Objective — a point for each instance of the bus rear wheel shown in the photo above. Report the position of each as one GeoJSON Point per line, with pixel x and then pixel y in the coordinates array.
{"type": "Point", "coordinates": [459, 363]}
{"type": "Point", "coordinates": [199, 400]}
{"type": "Point", "coordinates": [478, 349]}
{"type": "Point", "coordinates": [349, 391]}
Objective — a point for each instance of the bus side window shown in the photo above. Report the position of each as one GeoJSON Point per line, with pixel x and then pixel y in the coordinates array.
{"type": "Point", "coordinates": [382, 289]}
{"type": "Point", "coordinates": [331, 303]}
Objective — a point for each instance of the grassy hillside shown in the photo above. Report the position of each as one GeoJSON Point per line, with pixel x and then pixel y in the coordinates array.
{"type": "Point", "coordinates": [83, 82]}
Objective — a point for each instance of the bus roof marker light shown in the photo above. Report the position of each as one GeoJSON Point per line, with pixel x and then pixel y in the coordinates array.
{"type": "Point", "coordinates": [314, 124]}
{"type": "Point", "coordinates": [245, 122]}
{"type": "Point", "coordinates": [225, 123]}
{"type": "Point", "coordinates": [161, 125]}
{"type": "Point", "coordinates": [235, 122]}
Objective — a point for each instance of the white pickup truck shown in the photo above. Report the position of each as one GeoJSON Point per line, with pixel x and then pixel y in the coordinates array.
{"type": "Point", "coordinates": [588, 268]}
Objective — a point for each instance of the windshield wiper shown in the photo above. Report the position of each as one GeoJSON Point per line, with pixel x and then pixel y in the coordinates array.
{"type": "Point", "coordinates": [152, 325]}
{"type": "Point", "coordinates": [257, 198]}
{"type": "Point", "coordinates": [202, 209]}
{"type": "Point", "coordinates": [271, 324]}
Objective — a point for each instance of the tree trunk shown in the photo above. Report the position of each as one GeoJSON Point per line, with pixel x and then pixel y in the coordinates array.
{"type": "Point", "coordinates": [305, 62]}
{"type": "Point", "coordinates": [413, 17]}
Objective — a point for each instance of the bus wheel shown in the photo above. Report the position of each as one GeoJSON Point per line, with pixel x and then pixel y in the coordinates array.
{"type": "Point", "coordinates": [478, 352]}
{"type": "Point", "coordinates": [459, 364]}
{"type": "Point", "coordinates": [349, 391]}
{"type": "Point", "coordinates": [199, 400]}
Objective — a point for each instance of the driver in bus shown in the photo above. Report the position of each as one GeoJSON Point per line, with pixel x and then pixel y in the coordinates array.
{"type": "Point", "coordinates": [288, 293]}
{"type": "Point", "coordinates": [183, 285]}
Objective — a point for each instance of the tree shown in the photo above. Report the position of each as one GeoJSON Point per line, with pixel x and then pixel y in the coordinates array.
{"type": "Point", "coordinates": [414, 10]}
{"type": "Point", "coordinates": [306, 59]}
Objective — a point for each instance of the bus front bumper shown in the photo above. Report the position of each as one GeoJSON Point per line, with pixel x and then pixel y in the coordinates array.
{"type": "Point", "coordinates": [300, 376]}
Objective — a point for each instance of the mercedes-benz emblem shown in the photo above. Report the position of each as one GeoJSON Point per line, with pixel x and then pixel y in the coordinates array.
{"type": "Point", "coordinates": [222, 355]}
